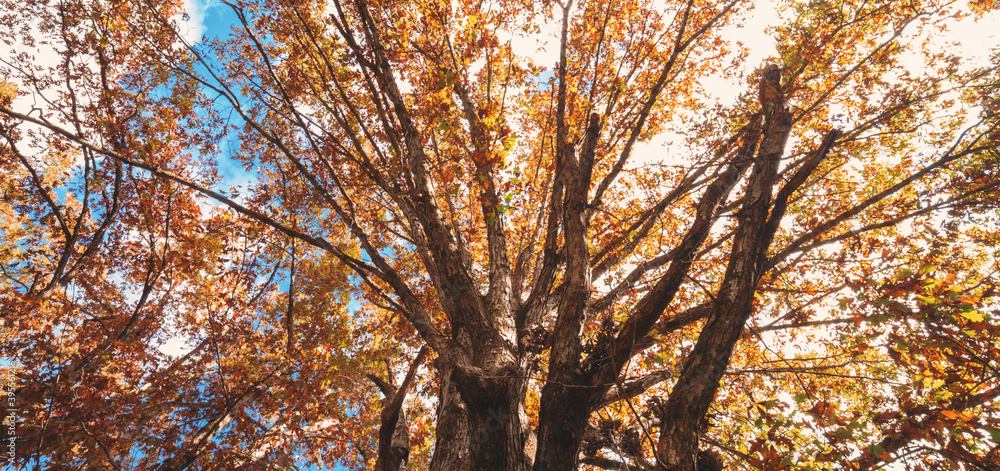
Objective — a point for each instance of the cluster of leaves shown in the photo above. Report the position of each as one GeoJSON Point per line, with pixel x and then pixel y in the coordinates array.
{"type": "Point", "coordinates": [810, 283]}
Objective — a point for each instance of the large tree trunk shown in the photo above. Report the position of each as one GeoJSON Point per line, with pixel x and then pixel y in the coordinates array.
{"type": "Point", "coordinates": [567, 396]}
{"type": "Point", "coordinates": [575, 388]}
{"type": "Point", "coordinates": [497, 429]}
{"type": "Point", "coordinates": [562, 422]}
{"type": "Point", "coordinates": [498, 433]}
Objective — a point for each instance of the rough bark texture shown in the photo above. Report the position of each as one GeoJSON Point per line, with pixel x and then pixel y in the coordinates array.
{"type": "Point", "coordinates": [566, 411]}
{"type": "Point", "coordinates": [567, 396]}
{"type": "Point", "coordinates": [451, 446]}
{"type": "Point", "coordinates": [498, 432]}
{"type": "Point", "coordinates": [575, 389]}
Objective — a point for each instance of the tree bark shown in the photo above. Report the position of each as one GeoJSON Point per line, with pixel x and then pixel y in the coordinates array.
{"type": "Point", "coordinates": [451, 446]}
{"type": "Point", "coordinates": [499, 434]}
{"type": "Point", "coordinates": [565, 410]}
{"type": "Point", "coordinates": [567, 397]}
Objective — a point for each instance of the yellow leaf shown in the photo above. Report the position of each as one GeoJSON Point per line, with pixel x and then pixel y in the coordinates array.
{"type": "Point", "coordinates": [974, 316]}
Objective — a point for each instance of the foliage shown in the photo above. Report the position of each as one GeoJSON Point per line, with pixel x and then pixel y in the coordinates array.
{"type": "Point", "coordinates": [806, 278]}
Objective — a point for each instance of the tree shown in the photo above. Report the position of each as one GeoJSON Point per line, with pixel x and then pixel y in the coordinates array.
{"type": "Point", "coordinates": [806, 282]}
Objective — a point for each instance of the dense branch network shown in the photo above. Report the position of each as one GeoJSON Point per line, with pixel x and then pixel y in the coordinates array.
{"type": "Point", "coordinates": [421, 189]}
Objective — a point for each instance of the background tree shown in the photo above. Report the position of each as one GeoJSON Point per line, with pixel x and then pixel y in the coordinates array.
{"type": "Point", "coordinates": [808, 281]}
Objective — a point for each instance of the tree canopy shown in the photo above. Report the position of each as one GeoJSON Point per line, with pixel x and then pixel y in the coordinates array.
{"type": "Point", "coordinates": [389, 232]}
